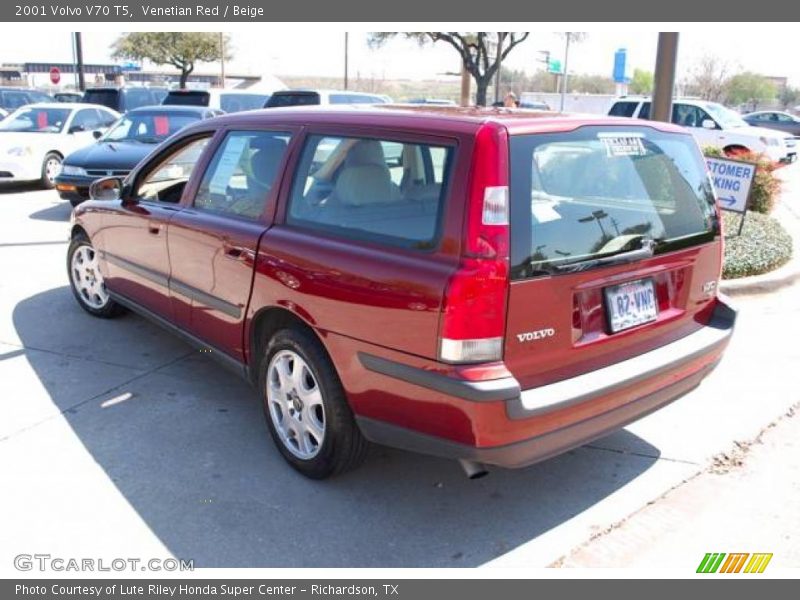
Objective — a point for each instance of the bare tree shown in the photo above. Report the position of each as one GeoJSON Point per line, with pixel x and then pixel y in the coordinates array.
{"type": "Point", "coordinates": [481, 52]}
{"type": "Point", "coordinates": [709, 78]}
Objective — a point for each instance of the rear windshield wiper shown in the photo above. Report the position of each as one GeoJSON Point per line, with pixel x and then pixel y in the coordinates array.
{"type": "Point", "coordinates": [646, 250]}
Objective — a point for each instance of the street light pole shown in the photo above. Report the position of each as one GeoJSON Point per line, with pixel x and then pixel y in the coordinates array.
{"type": "Point", "coordinates": [664, 77]}
{"type": "Point", "coordinates": [222, 59]}
{"type": "Point", "coordinates": [79, 60]}
{"type": "Point", "coordinates": [566, 71]}
{"type": "Point", "coordinates": [346, 52]}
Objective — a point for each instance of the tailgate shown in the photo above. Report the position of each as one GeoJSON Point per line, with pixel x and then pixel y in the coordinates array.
{"type": "Point", "coordinates": [615, 248]}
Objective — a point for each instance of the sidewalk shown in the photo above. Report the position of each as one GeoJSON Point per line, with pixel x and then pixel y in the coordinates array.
{"type": "Point", "coordinates": [746, 501]}
{"type": "Point", "coordinates": [787, 212]}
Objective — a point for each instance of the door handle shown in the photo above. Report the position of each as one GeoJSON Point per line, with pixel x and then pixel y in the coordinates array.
{"type": "Point", "coordinates": [153, 228]}
{"type": "Point", "coordinates": [233, 251]}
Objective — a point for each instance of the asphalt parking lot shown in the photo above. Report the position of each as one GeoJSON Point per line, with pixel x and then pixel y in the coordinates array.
{"type": "Point", "coordinates": [116, 439]}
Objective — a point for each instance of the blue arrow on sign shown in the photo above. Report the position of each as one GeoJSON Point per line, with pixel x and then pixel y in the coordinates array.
{"type": "Point", "coordinates": [730, 201]}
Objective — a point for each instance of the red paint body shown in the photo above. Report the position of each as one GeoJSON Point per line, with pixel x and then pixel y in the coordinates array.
{"type": "Point", "coordinates": [388, 302]}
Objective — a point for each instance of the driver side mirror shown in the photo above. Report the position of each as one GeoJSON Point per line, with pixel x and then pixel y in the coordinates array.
{"type": "Point", "coordinates": [97, 134]}
{"type": "Point", "coordinates": [107, 188]}
{"type": "Point", "coordinates": [708, 124]}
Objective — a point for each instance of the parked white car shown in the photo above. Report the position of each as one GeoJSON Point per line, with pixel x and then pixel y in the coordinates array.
{"type": "Point", "coordinates": [715, 125]}
{"type": "Point", "coordinates": [35, 139]}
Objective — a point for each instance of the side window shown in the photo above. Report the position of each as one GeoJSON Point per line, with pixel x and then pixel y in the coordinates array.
{"type": "Point", "coordinates": [383, 191]}
{"type": "Point", "coordinates": [85, 120]}
{"type": "Point", "coordinates": [781, 118]}
{"type": "Point", "coordinates": [242, 173]}
{"type": "Point", "coordinates": [645, 112]}
{"type": "Point", "coordinates": [623, 109]}
{"type": "Point", "coordinates": [165, 182]}
{"type": "Point", "coordinates": [104, 119]}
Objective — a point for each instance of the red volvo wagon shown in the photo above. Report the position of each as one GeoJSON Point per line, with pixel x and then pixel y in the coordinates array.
{"type": "Point", "coordinates": [491, 286]}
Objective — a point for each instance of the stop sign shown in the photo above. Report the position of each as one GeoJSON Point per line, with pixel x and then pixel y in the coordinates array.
{"type": "Point", "coordinates": [55, 75]}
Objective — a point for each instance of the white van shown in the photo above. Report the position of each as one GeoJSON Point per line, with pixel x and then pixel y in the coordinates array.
{"type": "Point", "coordinates": [229, 101]}
{"type": "Point", "coordinates": [712, 124]}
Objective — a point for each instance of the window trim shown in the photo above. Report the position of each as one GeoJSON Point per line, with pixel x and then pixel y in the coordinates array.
{"type": "Point", "coordinates": [380, 135]}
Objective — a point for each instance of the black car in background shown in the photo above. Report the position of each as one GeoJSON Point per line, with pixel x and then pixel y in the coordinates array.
{"type": "Point", "coordinates": [121, 148]}
{"type": "Point", "coordinates": [125, 98]}
{"type": "Point", "coordinates": [775, 119]}
{"type": "Point", "coordinates": [11, 98]}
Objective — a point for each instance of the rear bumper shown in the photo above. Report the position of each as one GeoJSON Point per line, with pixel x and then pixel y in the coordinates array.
{"type": "Point", "coordinates": [676, 368]}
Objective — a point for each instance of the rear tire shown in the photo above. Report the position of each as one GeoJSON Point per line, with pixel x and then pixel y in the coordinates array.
{"type": "Point", "coordinates": [86, 281]}
{"type": "Point", "coordinates": [51, 166]}
{"type": "Point", "coordinates": [305, 406]}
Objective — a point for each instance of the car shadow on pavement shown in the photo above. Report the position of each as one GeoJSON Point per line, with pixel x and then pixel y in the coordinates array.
{"type": "Point", "coordinates": [57, 212]}
{"type": "Point", "coordinates": [16, 188]}
{"type": "Point", "coordinates": [186, 444]}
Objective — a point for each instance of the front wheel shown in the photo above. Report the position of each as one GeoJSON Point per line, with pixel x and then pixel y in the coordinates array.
{"type": "Point", "coordinates": [51, 167]}
{"type": "Point", "coordinates": [306, 408]}
{"type": "Point", "coordinates": [86, 280]}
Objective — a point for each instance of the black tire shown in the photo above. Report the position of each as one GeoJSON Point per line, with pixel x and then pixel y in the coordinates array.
{"type": "Point", "coordinates": [108, 310]}
{"type": "Point", "coordinates": [46, 181]}
{"type": "Point", "coordinates": [343, 447]}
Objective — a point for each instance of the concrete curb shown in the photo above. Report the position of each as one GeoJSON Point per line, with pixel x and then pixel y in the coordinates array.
{"type": "Point", "coordinates": [789, 216]}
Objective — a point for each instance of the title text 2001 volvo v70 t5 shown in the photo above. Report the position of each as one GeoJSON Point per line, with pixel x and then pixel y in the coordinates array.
{"type": "Point", "coordinates": [491, 286]}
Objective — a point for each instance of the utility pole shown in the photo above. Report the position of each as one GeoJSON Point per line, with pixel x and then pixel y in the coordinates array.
{"type": "Point", "coordinates": [346, 51]}
{"type": "Point", "coordinates": [79, 60]}
{"type": "Point", "coordinates": [565, 76]}
{"type": "Point", "coordinates": [664, 77]}
{"type": "Point", "coordinates": [221, 60]}
{"type": "Point", "coordinates": [465, 84]}
{"type": "Point", "coordinates": [500, 37]}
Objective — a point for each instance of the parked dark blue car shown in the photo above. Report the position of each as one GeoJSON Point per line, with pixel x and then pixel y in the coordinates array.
{"type": "Point", "coordinates": [126, 143]}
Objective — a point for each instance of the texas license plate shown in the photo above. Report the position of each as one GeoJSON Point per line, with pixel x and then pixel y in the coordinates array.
{"type": "Point", "coordinates": [631, 304]}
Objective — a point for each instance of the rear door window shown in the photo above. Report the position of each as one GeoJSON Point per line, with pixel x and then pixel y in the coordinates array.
{"type": "Point", "coordinates": [602, 191]}
{"type": "Point", "coordinates": [242, 173]}
{"type": "Point", "coordinates": [384, 191]}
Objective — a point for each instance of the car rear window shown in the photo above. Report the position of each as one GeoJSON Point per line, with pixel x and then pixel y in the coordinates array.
{"type": "Point", "coordinates": [599, 191]}
{"type": "Point", "coordinates": [623, 109]}
{"type": "Point", "coordinates": [108, 98]}
{"type": "Point", "coordinates": [184, 98]}
{"type": "Point", "coordinates": [293, 99]}
{"type": "Point", "coordinates": [378, 190]}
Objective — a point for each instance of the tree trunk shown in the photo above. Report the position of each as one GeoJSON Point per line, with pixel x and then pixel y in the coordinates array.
{"type": "Point", "coordinates": [186, 70]}
{"type": "Point", "coordinates": [481, 87]}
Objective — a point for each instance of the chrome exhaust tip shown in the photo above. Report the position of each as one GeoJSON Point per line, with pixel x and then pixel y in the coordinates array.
{"type": "Point", "coordinates": [472, 469]}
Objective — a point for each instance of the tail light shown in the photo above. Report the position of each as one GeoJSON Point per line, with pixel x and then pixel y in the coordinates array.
{"type": "Point", "coordinates": [474, 317]}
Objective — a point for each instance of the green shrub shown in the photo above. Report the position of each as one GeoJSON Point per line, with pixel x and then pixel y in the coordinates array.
{"type": "Point", "coordinates": [766, 186]}
{"type": "Point", "coordinates": [763, 246]}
